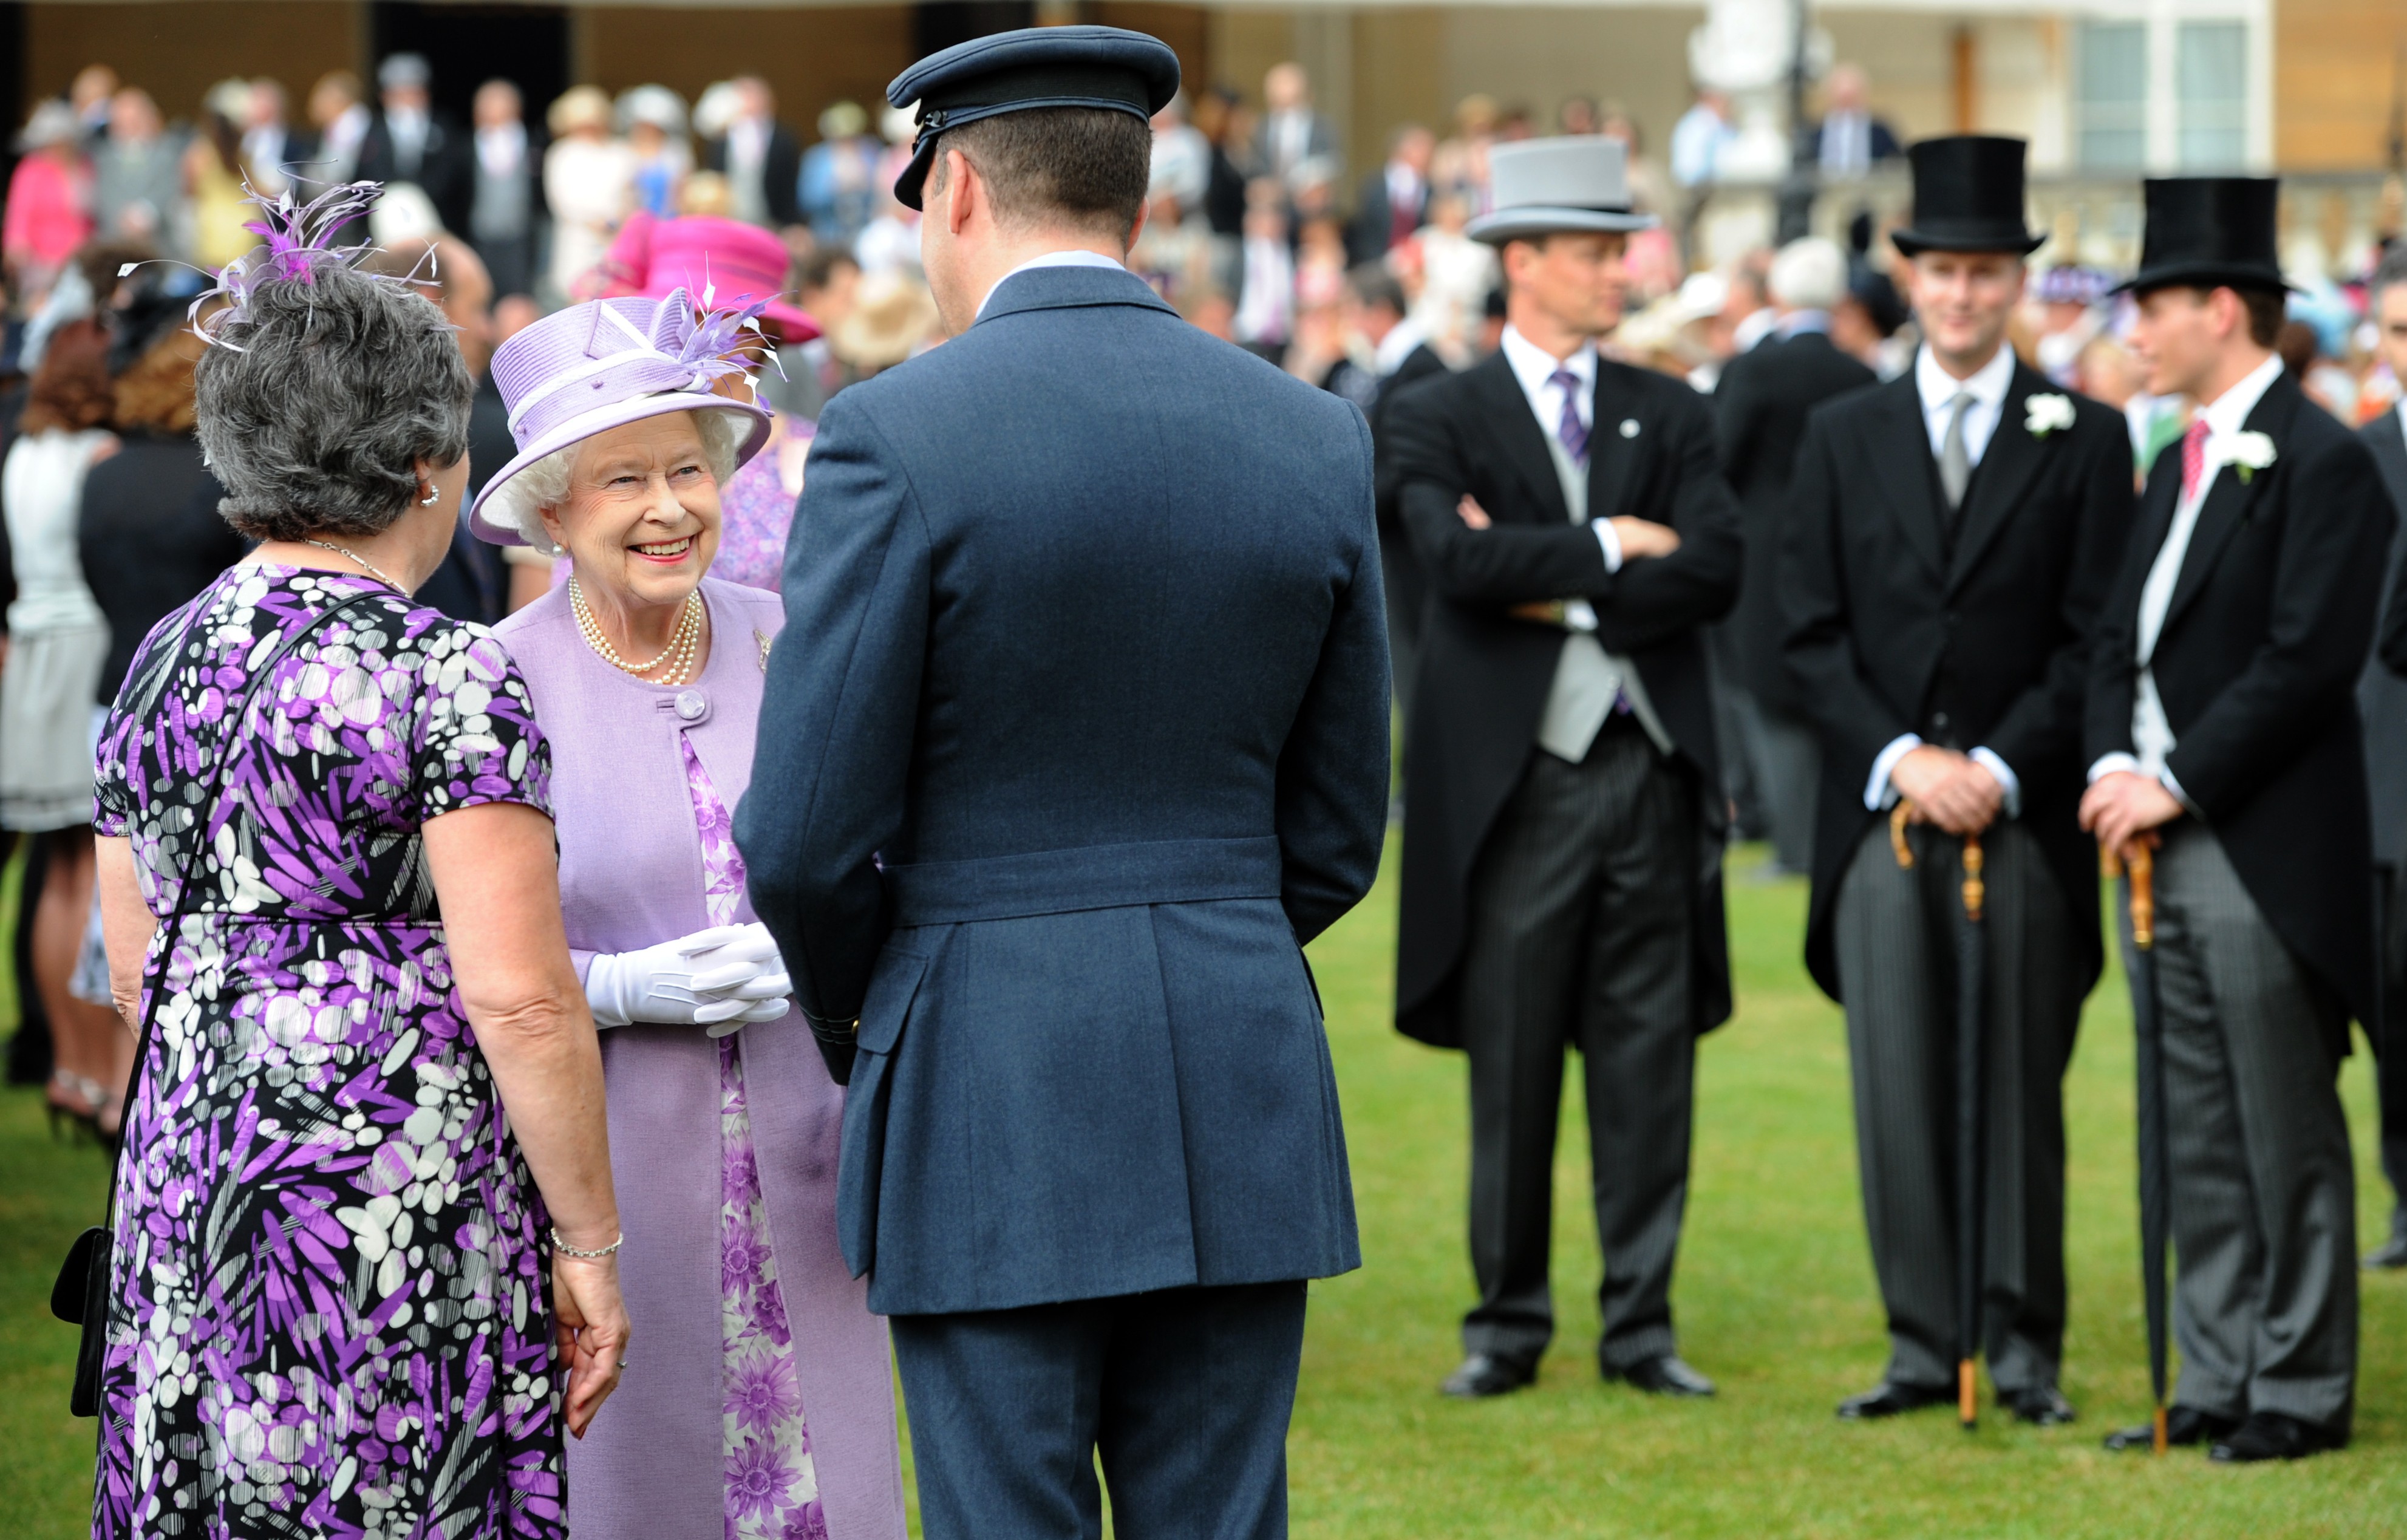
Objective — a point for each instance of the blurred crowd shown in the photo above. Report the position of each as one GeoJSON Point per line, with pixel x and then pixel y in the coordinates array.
{"type": "Point", "coordinates": [1252, 233]}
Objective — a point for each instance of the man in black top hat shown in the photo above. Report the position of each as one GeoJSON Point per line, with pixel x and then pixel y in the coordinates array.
{"type": "Point", "coordinates": [2222, 732]}
{"type": "Point", "coordinates": [1952, 538]}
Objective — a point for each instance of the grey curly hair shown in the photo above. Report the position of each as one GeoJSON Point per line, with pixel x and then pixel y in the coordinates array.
{"type": "Point", "coordinates": [518, 504]}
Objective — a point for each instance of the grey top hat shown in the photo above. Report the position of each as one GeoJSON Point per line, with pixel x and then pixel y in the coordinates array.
{"type": "Point", "coordinates": [1542, 186]}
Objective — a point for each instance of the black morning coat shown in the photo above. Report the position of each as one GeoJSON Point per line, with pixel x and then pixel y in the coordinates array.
{"type": "Point", "coordinates": [1979, 641]}
{"type": "Point", "coordinates": [1485, 675]}
{"type": "Point", "coordinates": [2382, 693]}
{"type": "Point", "coordinates": [2258, 667]}
{"type": "Point", "coordinates": [1760, 410]}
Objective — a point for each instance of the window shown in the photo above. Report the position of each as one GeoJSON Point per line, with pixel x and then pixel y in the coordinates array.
{"type": "Point", "coordinates": [2111, 99]}
{"type": "Point", "coordinates": [2211, 91]}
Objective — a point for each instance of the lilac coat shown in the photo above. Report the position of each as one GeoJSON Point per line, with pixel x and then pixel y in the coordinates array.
{"type": "Point", "coordinates": [631, 876]}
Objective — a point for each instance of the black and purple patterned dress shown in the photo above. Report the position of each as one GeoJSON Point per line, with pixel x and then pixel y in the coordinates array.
{"type": "Point", "coordinates": [329, 1314]}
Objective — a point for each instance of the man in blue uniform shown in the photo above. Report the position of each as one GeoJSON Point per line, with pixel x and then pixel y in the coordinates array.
{"type": "Point", "coordinates": [1077, 731]}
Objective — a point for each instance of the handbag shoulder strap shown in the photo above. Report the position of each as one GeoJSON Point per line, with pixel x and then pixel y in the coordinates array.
{"type": "Point", "coordinates": [155, 976]}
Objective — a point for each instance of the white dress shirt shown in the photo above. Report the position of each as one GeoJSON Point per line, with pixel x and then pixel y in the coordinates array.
{"type": "Point", "coordinates": [1938, 390]}
{"type": "Point", "coordinates": [2151, 733]}
{"type": "Point", "coordinates": [1535, 368]}
{"type": "Point", "coordinates": [1051, 258]}
{"type": "Point", "coordinates": [408, 128]}
{"type": "Point", "coordinates": [502, 150]}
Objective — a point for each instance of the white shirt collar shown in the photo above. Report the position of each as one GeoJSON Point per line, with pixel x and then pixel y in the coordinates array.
{"type": "Point", "coordinates": [1988, 383]}
{"type": "Point", "coordinates": [2227, 413]}
{"type": "Point", "coordinates": [1397, 346]}
{"type": "Point", "coordinates": [1533, 367]}
{"type": "Point", "coordinates": [1051, 258]}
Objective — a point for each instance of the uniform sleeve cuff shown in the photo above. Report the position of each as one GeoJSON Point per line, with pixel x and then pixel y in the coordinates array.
{"type": "Point", "coordinates": [2004, 776]}
{"type": "Point", "coordinates": [1610, 541]}
{"type": "Point", "coordinates": [1878, 793]}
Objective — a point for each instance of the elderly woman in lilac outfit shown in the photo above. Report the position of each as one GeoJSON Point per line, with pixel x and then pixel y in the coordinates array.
{"type": "Point", "coordinates": [763, 1405]}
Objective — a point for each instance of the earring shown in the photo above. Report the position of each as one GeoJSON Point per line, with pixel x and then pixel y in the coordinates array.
{"type": "Point", "coordinates": [433, 491]}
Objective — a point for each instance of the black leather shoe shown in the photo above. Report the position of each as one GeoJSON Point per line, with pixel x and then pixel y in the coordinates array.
{"type": "Point", "coordinates": [2184, 1426]}
{"type": "Point", "coordinates": [2040, 1406]}
{"type": "Point", "coordinates": [2273, 1436]}
{"type": "Point", "coordinates": [1667, 1376]}
{"type": "Point", "coordinates": [1888, 1399]}
{"type": "Point", "coordinates": [1486, 1374]}
{"type": "Point", "coordinates": [2391, 1253]}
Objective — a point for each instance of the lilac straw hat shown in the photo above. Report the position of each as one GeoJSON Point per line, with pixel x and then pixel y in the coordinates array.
{"type": "Point", "coordinates": [608, 361]}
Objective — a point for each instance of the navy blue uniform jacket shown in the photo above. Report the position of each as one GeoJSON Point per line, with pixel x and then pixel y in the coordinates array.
{"type": "Point", "coordinates": [1076, 732]}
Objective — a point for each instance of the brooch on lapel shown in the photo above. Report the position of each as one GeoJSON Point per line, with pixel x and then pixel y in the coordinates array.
{"type": "Point", "coordinates": [1628, 427]}
{"type": "Point", "coordinates": [763, 640]}
{"type": "Point", "coordinates": [2248, 453]}
{"type": "Point", "coordinates": [2044, 414]}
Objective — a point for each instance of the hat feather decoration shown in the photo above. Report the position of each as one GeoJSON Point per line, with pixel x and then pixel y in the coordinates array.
{"type": "Point", "coordinates": [712, 340]}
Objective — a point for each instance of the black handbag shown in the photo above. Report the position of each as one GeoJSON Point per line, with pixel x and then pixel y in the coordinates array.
{"type": "Point", "coordinates": [80, 1295]}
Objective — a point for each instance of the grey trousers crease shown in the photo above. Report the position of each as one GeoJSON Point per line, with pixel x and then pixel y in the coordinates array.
{"type": "Point", "coordinates": [1897, 968]}
{"type": "Point", "coordinates": [2264, 1197]}
{"type": "Point", "coordinates": [1182, 1395]}
{"type": "Point", "coordinates": [1579, 937]}
{"type": "Point", "coordinates": [1785, 759]}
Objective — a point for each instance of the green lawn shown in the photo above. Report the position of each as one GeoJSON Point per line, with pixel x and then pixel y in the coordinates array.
{"type": "Point", "coordinates": [1775, 1302]}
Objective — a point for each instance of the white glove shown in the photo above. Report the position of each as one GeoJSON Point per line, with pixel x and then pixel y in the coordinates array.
{"type": "Point", "coordinates": [726, 974]}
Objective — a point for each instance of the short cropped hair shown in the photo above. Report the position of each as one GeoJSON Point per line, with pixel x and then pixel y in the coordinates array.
{"type": "Point", "coordinates": [1083, 167]}
{"type": "Point", "coordinates": [2267, 308]}
{"type": "Point", "coordinates": [324, 398]}
{"type": "Point", "coordinates": [2390, 272]}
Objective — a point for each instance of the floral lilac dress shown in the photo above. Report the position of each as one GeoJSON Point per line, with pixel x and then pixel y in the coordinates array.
{"type": "Point", "coordinates": [772, 1489]}
{"type": "Point", "coordinates": [328, 1307]}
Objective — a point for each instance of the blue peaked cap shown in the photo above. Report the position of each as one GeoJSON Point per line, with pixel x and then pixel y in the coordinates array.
{"type": "Point", "coordinates": [1034, 66]}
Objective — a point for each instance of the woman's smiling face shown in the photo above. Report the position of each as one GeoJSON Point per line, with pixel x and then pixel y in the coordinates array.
{"type": "Point", "coordinates": [641, 521]}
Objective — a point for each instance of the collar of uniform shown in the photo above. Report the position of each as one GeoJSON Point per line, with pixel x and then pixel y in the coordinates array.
{"type": "Point", "coordinates": [1988, 383]}
{"type": "Point", "coordinates": [2227, 413]}
{"type": "Point", "coordinates": [1048, 258]}
{"type": "Point", "coordinates": [1534, 366]}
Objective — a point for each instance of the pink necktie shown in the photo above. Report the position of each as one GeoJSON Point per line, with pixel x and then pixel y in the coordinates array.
{"type": "Point", "coordinates": [2193, 456]}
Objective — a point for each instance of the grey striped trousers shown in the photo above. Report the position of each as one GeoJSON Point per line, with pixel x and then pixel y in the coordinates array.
{"type": "Point", "coordinates": [2264, 1196]}
{"type": "Point", "coordinates": [1579, 935]}
{"type": "Point", "coordinates": [1897, 969]}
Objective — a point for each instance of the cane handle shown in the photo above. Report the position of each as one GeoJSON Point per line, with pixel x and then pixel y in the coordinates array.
{"type": "Point", "coordinates": [2142, 864]}
{"type": "Point", "coordinates": [1976, 891]}
{"type": "Point", "coordinates": [1898, 817]}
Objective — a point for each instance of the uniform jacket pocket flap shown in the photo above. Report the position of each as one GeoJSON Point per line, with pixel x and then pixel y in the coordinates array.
{"type": "Point", "coordinates": [891, 988]}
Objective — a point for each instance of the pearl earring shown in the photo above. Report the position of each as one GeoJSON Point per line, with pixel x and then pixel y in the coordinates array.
{"type": "Point", "coordinates": [433, 491]}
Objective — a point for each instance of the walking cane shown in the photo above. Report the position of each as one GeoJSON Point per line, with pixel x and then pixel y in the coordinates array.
{"type": "Point", "coordinates": [1972, 1106]}
{"type": "Point", "coordinates": [2155, 1159]}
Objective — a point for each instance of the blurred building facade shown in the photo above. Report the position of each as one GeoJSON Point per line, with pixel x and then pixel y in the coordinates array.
{"type": "Point", "coordinates": [2102, 89]}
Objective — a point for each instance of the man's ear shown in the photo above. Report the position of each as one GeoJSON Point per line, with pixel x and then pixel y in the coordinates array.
{"type": "Point", "coordinates": [961, 190]}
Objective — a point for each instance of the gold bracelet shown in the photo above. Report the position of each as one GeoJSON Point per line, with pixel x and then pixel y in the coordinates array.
{"type": "Point", "coordinates": [567, 1250]}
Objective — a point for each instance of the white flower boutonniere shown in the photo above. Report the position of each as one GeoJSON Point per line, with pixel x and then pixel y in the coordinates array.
{"type": "Point", "coordinates": [2045, 414]}
{"type": "Point", "coordinates": [2250, 453]}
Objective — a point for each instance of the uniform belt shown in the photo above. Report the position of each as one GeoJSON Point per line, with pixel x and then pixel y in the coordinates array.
{"type": "Point", "coordinates": [1089, 877]}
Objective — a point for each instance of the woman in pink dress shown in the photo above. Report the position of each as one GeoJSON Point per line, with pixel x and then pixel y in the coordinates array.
{"type": "Point", "coordinates": [50, 198]}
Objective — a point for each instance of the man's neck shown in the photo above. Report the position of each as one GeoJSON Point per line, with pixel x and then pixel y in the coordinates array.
{"type": "Point", "coordinates": [2237, 362]}
{"type": "Point", "coordinates": [1543, 332]}
{"type": "Point", "coordinates": [1965, 365]}
{"type": "Point", "coordinates": [998, 261]}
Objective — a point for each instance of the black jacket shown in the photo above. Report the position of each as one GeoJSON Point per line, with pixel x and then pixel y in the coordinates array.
{"type": "Point", "coordinates": [446, 167]}
{"type": "Point", "coordinates": [781, 173]}
{"type": "Point", "coordinates": [2257, 665]}
{"type": "Point", "coordinates": [2381, 695]}
{"type": "Point", "coordinates": [1408, 590]}
{"type": "Point", "coordinates": [1981, 641]}
{"type": "Point", "coordinates": [1485, 675]}
{"type": "Point", "coordinates": [151, 537]}
{"type": "Point", "coordinates": [1373, 227]}
{"type": "Point", "coordinates": [1759, 411]}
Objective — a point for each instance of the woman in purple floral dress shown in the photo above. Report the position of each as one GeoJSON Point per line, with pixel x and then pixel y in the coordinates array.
{"type": "Point", "coordinates": [362, 1275]}
{"type": "Point", "coordinates": [770, 1413]}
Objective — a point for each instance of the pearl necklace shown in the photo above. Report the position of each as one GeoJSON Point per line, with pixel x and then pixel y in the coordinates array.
{"type": "Point", "coordinates": [677, 656]}
{"type": "Point", "coordinates": [328, 545]}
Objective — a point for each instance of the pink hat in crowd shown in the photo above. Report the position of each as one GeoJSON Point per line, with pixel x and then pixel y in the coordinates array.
{"type": "Point", "coordinates": [608, 361]}
{"type": "Point", "coordinates": [703, 253]}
